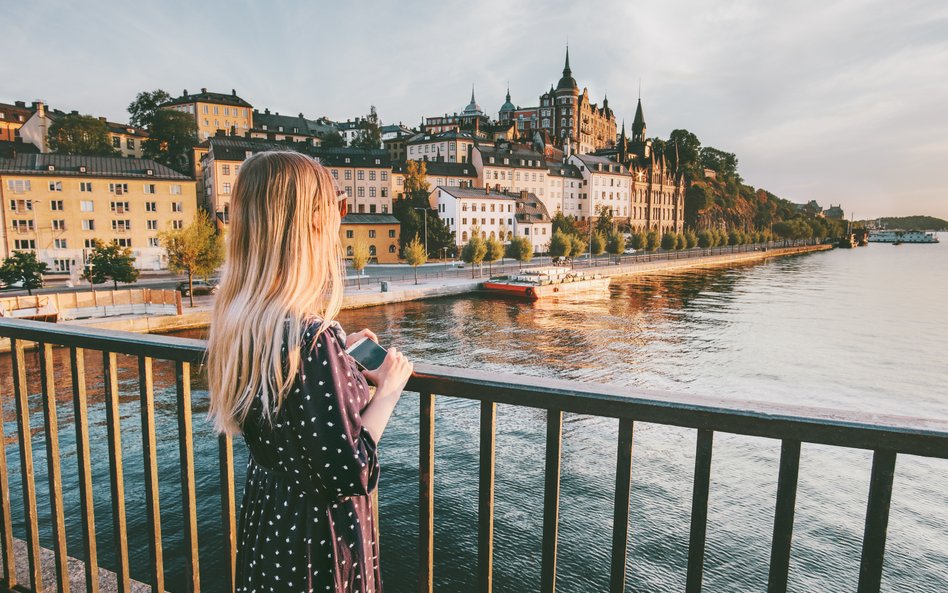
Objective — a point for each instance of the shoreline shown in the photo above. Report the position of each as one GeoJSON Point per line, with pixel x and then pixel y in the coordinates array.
{"type": "Point", "coordinates": [199, 317]}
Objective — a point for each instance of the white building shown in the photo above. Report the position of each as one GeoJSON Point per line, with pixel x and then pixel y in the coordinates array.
{"type": "Point", "coordinates": [606, 182]}
{"type": "Point", "coordinates": [512, 169]}
{"type": "Point", "coordinates": [450, 147]}
{"type": "Point", "coordinates": [464, 208]}
{"type": "Point", "coordinates": [566, 190]}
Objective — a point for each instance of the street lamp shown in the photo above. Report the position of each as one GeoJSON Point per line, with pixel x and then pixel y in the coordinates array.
{"type": "Point", "coordinates": [425, 211]}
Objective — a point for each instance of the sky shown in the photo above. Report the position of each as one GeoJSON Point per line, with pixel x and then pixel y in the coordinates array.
{"type": "Point", "coordinates": [842, 102]}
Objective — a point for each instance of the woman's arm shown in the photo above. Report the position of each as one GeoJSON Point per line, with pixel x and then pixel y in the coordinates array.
{"type": "Point", "coordinates": [390, 380]}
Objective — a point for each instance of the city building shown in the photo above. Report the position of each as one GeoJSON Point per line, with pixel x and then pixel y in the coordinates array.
{"type": "Point", "coordinates": [219, 163]}
{"type": "Point", "coordinates": [472, 119]}
{"type": "Point", "coordinates": [566, 191]}
{"type": "Point", "coordinates": [452, 146]}
{"type": "Point", "coordinates": [289, 128]}
{"type": "Point", "coordinates": [57, 205]}
{"type": "Point", "coordinates": [127, 140]}
{"type": "Point", "coordinates": [378, 231]}
{"type": "Point", "coordinates": [464, 208]}
{"type": "Point", "coordinates": [215, 111]}
{"type": "Point", "coordinates": [532, 220]}
{"type": "Point", "coordinates": [605, 184]}
{"type": "Point", "coordinates": [572, 120]}
{"type": "Point", "coordinates": [394, 140]}
{"type": "Point", "coordinates": [365, 176]}
{"type": "Point", "coordinates": [512, 167]}
{"type": "Point", "coordinates": [437, 173]}
{"type": "Point", "coordinates": [349, 130]}
{"type": "Point", "coordinates": [12, 117]}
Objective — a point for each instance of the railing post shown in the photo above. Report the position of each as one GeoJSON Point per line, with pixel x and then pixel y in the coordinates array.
{"type": "Point", "coordinates": [116, 474]}
{"type": "Point", "coordinates": [6, 520]}
{"type": "Point", "coordinates": [149, 451]}
{"type": "Point", "coordinates": [426, 494]}
{"type": "Point", "coordinates": [699, 510]}
{"type": "Point", "coordinates": [783, 516]}
{"type": "Point", "coordinates": [84, 458]}
{"type": "Point", "coordinates": [53, 469]}
{"type": "Point", "coordinates": [551, 499]}
{"type": "Point", "coordinates": [225, 448]}
{"type": "Point", "coordinates": [24, 435]}
{"type": "Point", "coordinates": [485, 506]}
{"type": "Point", "coordinates": [620, 520]}
{"type": "Point", "coordinates": [182, 372]}
{"type": "Point", "coordinates": [877, 521]}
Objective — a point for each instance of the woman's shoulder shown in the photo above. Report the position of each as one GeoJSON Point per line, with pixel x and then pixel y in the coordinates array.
{"type": "Point", "coordinates": [311, 326]}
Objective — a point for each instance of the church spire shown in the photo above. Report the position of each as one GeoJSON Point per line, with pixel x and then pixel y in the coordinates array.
{"type": "Point", "coordinates": [508, 92]}
{"type": "Point", "coordinates": [638, 124]}
{"type": "Point", "coordinates": [566, 70]}
{"type": "Point", "coordinates": [472, 92]}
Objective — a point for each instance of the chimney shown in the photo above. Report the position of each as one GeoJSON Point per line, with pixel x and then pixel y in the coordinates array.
{"type": "Point", "coordinates": [266, 111]}
{"type": "Point", "coordinates": [102, 119]}
{"type": "Point", "coordinates": [301, 115]}
{"type": "Point", "coordinates": [486, 190]}
{"type": "Point", "coordinates": [20, 104]}
{"type": "Point", "coordinates": [233, 92]}
{"type": "Point", "coordinates": [203, 90]}
{"type": "Point", "coordinates": [73, 112]}
{"type": "Point", "coordinates": [523, 194]}
{"type": "Point", "coordinates": [185, 92]}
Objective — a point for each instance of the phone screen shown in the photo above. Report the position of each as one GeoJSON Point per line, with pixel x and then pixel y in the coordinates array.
{"type": "Point", "coordinates": [368, 354]}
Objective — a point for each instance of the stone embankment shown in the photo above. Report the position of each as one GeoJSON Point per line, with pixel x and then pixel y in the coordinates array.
{"type": "Point", "coordinates": [199, 316]}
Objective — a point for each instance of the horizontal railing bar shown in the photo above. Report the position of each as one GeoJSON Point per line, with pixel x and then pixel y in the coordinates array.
{"type": "Point", "coordinates": [108, 340]}
{"type": "Point", "coordinates": [913, 436]}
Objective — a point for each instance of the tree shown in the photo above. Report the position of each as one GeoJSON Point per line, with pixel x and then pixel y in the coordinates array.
{"type": "Point", "coordinates": [416, 178]}
{"type": "Point", "coordinates": [653, 240]}
{"type": "Point", "coordinates": [784, 230]}
{"type": "Point", "coordinates": [565, 224]}
{"type": "Point", "coordinates": [360, 258]}
{"type": "Point", "coordinates": [723, 163]}
{"type": "Point", "coordinates": [597, 243]}
{"type": "Point", "coordinates": [495, 250]}
{"type": "Point", "coordinates": [197, 249]}
{"type": "Point", "coordinates": [577, 246]}
{"type": "Point", "coordinates": [171, 136]}
{"type": "Point", "coordinates": [332, 140]}
{"type": "Point", "coordinates": [638, 240]}
{"type": "Point", "coordinates": [669, 240]}
{"type": "Point", "coordinates": [705, 239]}
{"type": "Point", "coordinates": [520, 249]}
{"type": "Point", "coordinates": [615, 243]}
{"type": "Point", "coordinates": [109, 261]}
{"type": "Point", "coordinates": [414, 254]}
{"type": "Point", "coordinates": [142, 110]}
{"type": "Point", "coordinates": [80, 134]}
{"type": "Point", "coordinates": [370, 137]}
{"type": "Point", "coordinates": [688, 149]}
{"type": "Point", "coordinates": [691, 239]}
{"type": "Point", "coordinates": [604, 222]}
{"type": "Point", "coordinates": [560, 244]}
{"type": "Point", "coordinates": [474, 250]}
{"type": "Point", "coordinates": [22, 266]}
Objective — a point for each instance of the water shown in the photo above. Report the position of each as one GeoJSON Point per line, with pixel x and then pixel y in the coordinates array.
{"type": "Point", "coordinates": [862, 329]}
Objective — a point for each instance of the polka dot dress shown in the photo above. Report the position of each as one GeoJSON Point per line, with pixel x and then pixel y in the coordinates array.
{"type": "Point", "coordinates": [306, 522]}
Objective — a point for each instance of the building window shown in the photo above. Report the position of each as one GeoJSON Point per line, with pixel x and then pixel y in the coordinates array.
{"type": "Point", "coordinates": [177, 206]}
{"type": "Point", "coordinates": [130, 143]}
{"type": "Point", "coordinates": [86, 206]}
{"type": "Point", "coordinates": [59, 243]}
{"type": "Point", "coordinates": [360, 191]}
{"type": "Point", "coordinates": [372, 191]}
{"type": "Point", "coordinates": [116, 142]}
{"type": "Point", "coordinates": [348, 175]}
{"type": "Point", "coordinates": [118, 188]}
{"type": "Point", "coordinates": [121, 225]}
{"type": "Point", "coordinates": [56, 205]}
{"type": "Point", "coordinates": [371, 175]}
{"type": "Point", "coordinates": [85, 186]}
{"type": "Point", "coordinates": [55, 186]}
{"type": "Point", "coordinates": [150, 188]}
{"type": "Point", "coordinates": [349, 234]}
{"type": "Point", "coordinates": [88, 224]}
{"type": "Point", "coordinates": [119, 207]}
{"type": "Point", "coordinates": [371, 208]}
{"type": "Point", "coordinates": [372, 252]}
{"type": "Point", "coordinates": [175, 189]}
{"type": "Point", "coordinates": [24, 244]}
{"type": "Point", "coordinates": [152, 225]}
{"type": "Point", "coordinates": [335, 174]}
{"type": "Point", "coordinates": [384, 175]}
{"type": "Point", "coordinates": [59, 225]}
{"type": "Point", "coordinates": [360, 175]}
{"type": "Point", "coordinates": [391, 249]}
{"type": "Point", "coordinates": [391, 233]}
{"type": "Point", "coordinates": [371, 233]}
{"type": "Point", "coordinates": [18, 186]}
{"type": "Point", "coordinates": [123, 242]}
{"type": "Point", "coordinates": [177, 224]}
{"type": "Point", "coordinates": [349, 251]}
{"type": "Point", "coordinates": [225, 188]}
{"type": "Point", "coordinates": [225, 169]}
{"type": "Point", "coordinates": [153, 242]}
{"type": "Point", "coordinates": [151, 206]}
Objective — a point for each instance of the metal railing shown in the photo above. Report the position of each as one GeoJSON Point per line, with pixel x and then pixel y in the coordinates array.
{"type": "Point", "coordinates": [885, 436]}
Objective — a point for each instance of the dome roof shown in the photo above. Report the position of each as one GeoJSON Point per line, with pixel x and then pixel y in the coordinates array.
{"type": "Point", "coordinates": [473, 108]}
{"type": "Point", "coordinates": [507, 106]}
{"type": "Point", "coordinates": [567, 82]}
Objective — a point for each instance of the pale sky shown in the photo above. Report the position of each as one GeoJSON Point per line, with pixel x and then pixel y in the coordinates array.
{"type": "Point", "coordinates": [839, 102]}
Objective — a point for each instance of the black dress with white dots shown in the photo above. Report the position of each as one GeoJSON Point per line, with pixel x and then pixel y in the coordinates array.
{"type": "Point", "coordinates": [306, 523]}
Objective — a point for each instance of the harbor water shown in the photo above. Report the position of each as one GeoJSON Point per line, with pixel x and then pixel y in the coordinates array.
{"type": "Point", "coordinates": [863, 330]}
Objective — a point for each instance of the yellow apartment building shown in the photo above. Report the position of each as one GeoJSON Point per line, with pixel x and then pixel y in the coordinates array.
{"type": "Point", "coordinates": [57, 205]}
{"type": "Point", "coordinates": [378, 231]}
{"type": "Point", "coordinates": [215, 111]}
{"type": "Point", "coordinates": [365, 176]}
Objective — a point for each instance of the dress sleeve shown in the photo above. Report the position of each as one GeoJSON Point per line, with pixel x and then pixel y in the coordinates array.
{"type": "Point", "coordinates": [339, 454]}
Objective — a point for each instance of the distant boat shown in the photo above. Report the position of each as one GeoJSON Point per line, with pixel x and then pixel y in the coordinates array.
{"type": "Point", "coordinates": [898, 237]}
{"type": "Point", "coordinates": [540, 283]}
{"type": "Point", "coordinates": [847, 241]}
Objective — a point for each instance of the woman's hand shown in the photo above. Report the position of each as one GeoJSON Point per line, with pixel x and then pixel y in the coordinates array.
{"type": "Point", "coordinates": [391, 377]}
{"type": "Point", "coordinates": [366, 333]}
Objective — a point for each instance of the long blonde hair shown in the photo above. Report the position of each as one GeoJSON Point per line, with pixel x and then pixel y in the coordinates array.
{"type": "Point", "coordinates": [284, 265]}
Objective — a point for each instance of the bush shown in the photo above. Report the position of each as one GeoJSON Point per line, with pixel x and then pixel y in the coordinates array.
{"type": "Point", "coordinates": [691, 239]}
{"type": "Point", "coordinates": [598, 243]}
{"type": "Point", "coordinates": [653, 240]}
{"type": "Point", "coordinates": [705, 239]}
{"type": "Point", "coordinates": [669, 241]}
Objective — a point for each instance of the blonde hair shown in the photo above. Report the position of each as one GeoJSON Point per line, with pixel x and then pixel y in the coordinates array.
{"type": "Point", "coordinates": [284, 265]}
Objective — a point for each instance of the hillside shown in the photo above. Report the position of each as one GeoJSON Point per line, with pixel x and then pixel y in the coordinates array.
{"type": "Point", "coordinates": [918, 222]}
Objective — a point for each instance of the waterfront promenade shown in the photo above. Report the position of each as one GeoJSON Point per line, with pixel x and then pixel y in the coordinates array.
{"type": "Point", "coordinates": [402, 288]}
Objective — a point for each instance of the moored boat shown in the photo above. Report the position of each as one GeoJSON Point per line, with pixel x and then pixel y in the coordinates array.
{"type": "Point", "coordinates": [540, 283]}
{"type": "Point", "coordinates": [898, 237]}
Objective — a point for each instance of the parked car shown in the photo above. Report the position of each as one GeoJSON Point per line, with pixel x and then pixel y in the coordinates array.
{"type": "Point", "coordinates": [200, 287]}
{"type": "Point", "coordinates": [630, 251]}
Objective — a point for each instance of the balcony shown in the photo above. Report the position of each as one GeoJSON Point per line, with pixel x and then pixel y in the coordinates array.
{"type": "Point", "coordinates": [886, 437]}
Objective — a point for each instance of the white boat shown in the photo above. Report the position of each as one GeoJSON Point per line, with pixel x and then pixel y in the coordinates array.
{"type": "Point", "coordinates": [897, 236]}
{"type": "Point", "coordinates": [540, 283]}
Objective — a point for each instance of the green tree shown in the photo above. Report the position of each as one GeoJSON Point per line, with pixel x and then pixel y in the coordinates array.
{"type": "Point", "coordinates": [370, 137]}
{"type": "Point", "coordinates": [332, 140]}
{"type": "Point", "coordinates": [109, 261]}
{"type": "Point", "coordinates": [615, 243]}
{"type": "Point", "coordinates": [638, 240]}
{"type": "Point", "coordinates": [577, 246]}
{"type": "Point", "coordinates": [669, 241]}
{"type": "Point", "coordinates": [495, 250]}
{"type": "Point", "coordinates": [197, 250]}
{"type": "Point", "coordinates": [81, 135]}
{"type": "Point", "coordinates": [723, 163]}
{"type": "Point", "coordinates": [565, 224]}
{"type": "Point", "coordinates": [653, 240]}
{"type": "Point", "coordinates": [691, 239]}
{"type": "Point", "coordinates": [597, 243]}
{"type": "Point", "coordinates": [142, 110]}
{"type": "Point", "coordinates": [688, 148]}
{"type": "Point", "coordinates": [22, 266]}
{"type": "Point", "coordinates": [416, 178]}
{"type": "Point", "coordinates": [784, 230]}
{"type": "Point", "coordinates": [414, 254]}
{"type": "Point", "coordinates": [520, 249]}
{"type": "Point", "coordinates": [171, 136]}
{"type": "Point", "coordinates": [360, 259]}
{"type": "Point", "coordinates": [560, 244]}
{"type": "Point", "coordinates": [604, 220]}
{"type": "Point", "coordinates": [474, 250]}
{"type": "Point", "coordinates": [705, 239]}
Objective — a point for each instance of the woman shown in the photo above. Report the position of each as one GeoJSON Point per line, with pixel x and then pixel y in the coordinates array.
{"type": "Point", "coordinates": [278, 373]}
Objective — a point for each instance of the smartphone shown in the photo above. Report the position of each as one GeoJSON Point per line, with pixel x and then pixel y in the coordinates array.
{"type": "Point", "coordinates": [367, 354]}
